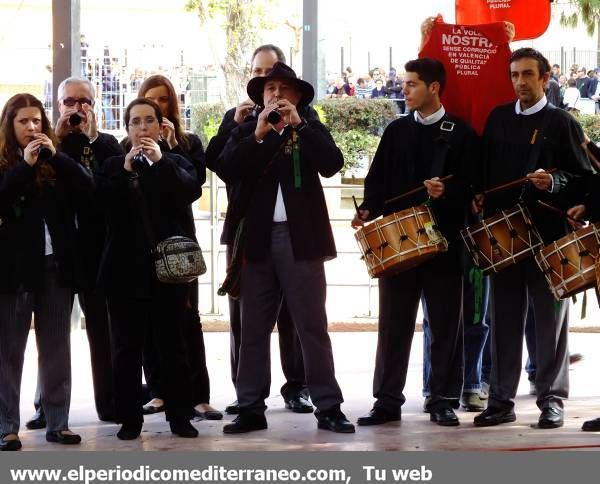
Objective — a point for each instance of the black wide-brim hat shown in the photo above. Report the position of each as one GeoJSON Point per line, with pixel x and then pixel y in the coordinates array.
{"type": "Point", "coordinates": [256, 85]}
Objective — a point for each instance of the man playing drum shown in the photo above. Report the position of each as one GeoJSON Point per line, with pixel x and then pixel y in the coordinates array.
{"type": "Point", "coordinates": [420, 149]}
{"type": "Point", "coordinates": [530, 137]}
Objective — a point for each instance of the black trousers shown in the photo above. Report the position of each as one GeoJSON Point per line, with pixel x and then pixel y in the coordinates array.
{"type": "Point", "coordinates": [195, 350]}
{"type": "Point", "coordinates": [398, 305]}
{"type": "Point", "coordinates": [165, 316]}
{"type": "Point", "coordinates": [95, 309]}
{"type": "Point", "coordinates": [304, 288]}
{"type": "Point", "coordinates": [511, 289]}
{"type": "Point", "coordinates": [51, 306]}
{"type": "Point", "coordinates": [290, 352]}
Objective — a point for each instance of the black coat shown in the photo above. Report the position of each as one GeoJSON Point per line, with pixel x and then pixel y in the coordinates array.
{"type": "Point", "coordinates": [508, 155]}
{"type": "Point", "coordinates": [403, 160]}
{"type": "Point", "coordinates": [24, 207]}
{"type": "Point", "coordinates": [217, 143]}
{"type": "Point", "coordinates": [169, 187]}
{"type": "Point", "coordinates": [253, 171]}
{"type": "Point", "coordinates": [91, 223]}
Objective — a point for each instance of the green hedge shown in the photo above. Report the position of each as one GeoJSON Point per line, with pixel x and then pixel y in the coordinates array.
{"type": "Point", "coordinates": [355, 124]}
{"type": "Point", "coordinates": [591, 125]}
{"type": "Point", "coordinates": [206, 119]}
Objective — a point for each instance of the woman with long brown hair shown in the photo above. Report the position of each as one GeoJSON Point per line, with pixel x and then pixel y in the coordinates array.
{"type": "Point", "coordinates": [39, 264]}
{"type": "Point", "coordinates": [176, 140]}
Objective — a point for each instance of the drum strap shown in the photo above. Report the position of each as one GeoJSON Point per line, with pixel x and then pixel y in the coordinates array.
{"type": "Point", "coordinates": [442, 146]}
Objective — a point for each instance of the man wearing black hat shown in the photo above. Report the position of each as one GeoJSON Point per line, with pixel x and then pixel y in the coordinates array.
{"type": "Point", "coordinates": [294, 390]}
{"type": "Point", "coordinates": [273, 165]}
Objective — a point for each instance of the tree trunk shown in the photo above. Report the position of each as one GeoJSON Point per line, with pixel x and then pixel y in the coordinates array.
{"type": "Point", "coordinates": [240, 36]}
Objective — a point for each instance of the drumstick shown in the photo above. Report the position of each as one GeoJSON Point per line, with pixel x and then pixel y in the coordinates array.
{"type": "Point", "coordinates": [414, 190]}
{"type": "Point", "coordinates": [512, 183]}
{"type": "Point", "coordinates": [356, 206]}
{"type": "Point", "coordinates": [558, 211]}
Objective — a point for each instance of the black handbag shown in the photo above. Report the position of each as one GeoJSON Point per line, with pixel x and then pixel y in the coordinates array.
{"type": "Point", "coordinates": [177, 259]}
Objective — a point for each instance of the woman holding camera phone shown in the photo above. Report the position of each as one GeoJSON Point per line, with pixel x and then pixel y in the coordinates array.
{"type": "Point", "coordinates": [39, 264]}
{"type": "Point", "coordinates": [147, 183]}
{"type": "Point", "coordinates": [160, 90]}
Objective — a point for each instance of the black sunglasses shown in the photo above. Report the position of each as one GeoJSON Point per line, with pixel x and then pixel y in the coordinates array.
{"type": "Point", "coordinates": [71, 101]}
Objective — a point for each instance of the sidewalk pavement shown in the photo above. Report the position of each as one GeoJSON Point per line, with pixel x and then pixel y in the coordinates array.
{"type": "Point", "coordinates": [354, 358]}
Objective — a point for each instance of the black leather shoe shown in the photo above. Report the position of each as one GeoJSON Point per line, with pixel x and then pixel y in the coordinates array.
{"type": "Point", "coordinates": [298, 404]}
{"type": "Point", "coordinates": [59, 437]}
{"type": "Point", "coordinates": [444, 416]}
{"type": "Point", "coordinates": [38, 421]}
{"type": "Point", "coordinates": [208, 415]}
{"type": "Point", "coordinates": [335, 421]}
{"type": "Point", "coordinates": [494, 416]}
{"type": "Point", "coordinates": [378, 416]}
{"type": "Point", "coordinates": [183, 428]}
{"type": "Point", "coordinates": [10, 445]}
{"type": "Point", "coordinates": [551, 418]}
{"type": "Point", "coordinates": [130, 431]}
{"type": "Point", "coordinates": [232, 409]}
{"type": "Point", "coordinates": [246, 423]}
{"type": "Point", "coordinates": [591, 425]}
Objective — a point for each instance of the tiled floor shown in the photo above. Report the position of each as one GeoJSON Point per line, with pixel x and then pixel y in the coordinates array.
{"type": "Point", "coordinates": [354, 357]}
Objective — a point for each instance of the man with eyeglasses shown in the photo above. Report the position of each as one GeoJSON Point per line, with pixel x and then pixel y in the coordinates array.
{"type": "Point", "coordinates": [79, 138]}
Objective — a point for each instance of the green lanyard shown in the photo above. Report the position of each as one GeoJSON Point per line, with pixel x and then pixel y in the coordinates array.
{"type": "Point", "coordinates": [296, 160]}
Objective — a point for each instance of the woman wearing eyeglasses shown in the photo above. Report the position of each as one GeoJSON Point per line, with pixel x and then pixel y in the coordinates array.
{"type": "Point", "coordinates": [163, 185]}
{"type": "Point", "coordinates": [160, 90]}
{"type": "Point", "coordinates": [39, 264]}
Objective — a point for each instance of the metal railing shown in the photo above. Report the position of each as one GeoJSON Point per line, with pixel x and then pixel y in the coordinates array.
{"type": "Point", "coordinates": [566, 57]}
{"type": "Point", "coordinates": [215, 252]}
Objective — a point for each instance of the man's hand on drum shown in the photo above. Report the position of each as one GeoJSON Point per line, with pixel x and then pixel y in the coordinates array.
{"type": "Point", "coordinates": [359, 219]}
{"type": "Point", "coordinates": [435, 187]}
{"type": "Point", "coordinates": [540, 180]}
{"type": "Point", "coordinates": [577, 214]}
{"type": "Point", "coordinates": [477, 203]}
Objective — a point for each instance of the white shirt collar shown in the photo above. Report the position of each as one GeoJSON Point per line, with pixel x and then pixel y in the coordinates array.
{"type": "Point", "coordinates": [536, 108]}
{"type": "Point", "coordinates": [432, 118]}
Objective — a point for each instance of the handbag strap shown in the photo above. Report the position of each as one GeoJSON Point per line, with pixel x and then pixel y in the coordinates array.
{"type": "Point", "coordinates": [140, 201]}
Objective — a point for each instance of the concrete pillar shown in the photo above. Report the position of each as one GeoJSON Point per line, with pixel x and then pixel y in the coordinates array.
{"type": "Point", "coordinates": [66, 53]}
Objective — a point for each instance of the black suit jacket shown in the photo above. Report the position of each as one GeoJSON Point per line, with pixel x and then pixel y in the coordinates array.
{"type": "Point", "coordinates": [217, 143]}
{"type": "Point", "coordinates": [91, 223]}
{"type": "Point", "coordinates": [169, 187]}
{"type": "Point", "coordinates": [24, 207]}
{"type": "Point", "coordinates": [591, 88]}
{"type": "Point", "coordinates": [254, 171]}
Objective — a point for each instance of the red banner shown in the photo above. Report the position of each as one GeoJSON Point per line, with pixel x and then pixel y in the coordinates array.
{"type": "Point", "coordinates": [530, 17]}
{"type": "Point", "coordinates": [476, 59]}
